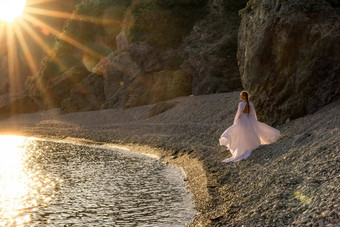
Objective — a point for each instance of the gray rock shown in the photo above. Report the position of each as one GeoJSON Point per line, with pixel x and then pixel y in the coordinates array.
{"type": "Point", "coordinates": [320, 223]}
{"type": "Point", "coordinates": [288, 56]}
{"type": "Point", "coordinates": [210, 49]}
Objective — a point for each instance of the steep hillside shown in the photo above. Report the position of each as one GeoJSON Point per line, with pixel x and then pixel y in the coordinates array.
{"type": "Point", "coordinates": [143, 41]}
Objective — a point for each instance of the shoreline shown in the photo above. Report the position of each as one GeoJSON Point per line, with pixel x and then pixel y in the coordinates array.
{"type": "Point", "coordinates": [259, 191]}
{"type": "Point", "coordinates": [184, 164]}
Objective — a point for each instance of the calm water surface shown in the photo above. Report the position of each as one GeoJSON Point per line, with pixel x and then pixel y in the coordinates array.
{"type": "Point", "coordinates": [63, 184]}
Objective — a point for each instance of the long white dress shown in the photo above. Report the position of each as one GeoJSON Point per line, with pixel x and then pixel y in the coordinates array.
{"type": "Point", "coordinates": [246, 134]}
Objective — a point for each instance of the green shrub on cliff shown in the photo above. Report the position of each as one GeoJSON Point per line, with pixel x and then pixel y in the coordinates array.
{"type": "Point", "coordinates": [162, 23]}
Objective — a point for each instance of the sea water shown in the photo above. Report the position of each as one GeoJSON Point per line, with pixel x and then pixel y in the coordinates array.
{"type": "Point", "coordinates": [53, 183]}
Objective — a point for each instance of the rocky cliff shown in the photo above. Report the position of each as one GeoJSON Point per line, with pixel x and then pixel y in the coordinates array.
{"type": "Point", "coordinates": [137, 52]}
{"type": "Point", "coordinates": [288, 55]}
{"type": "Point", "coordinates": [159, 50]}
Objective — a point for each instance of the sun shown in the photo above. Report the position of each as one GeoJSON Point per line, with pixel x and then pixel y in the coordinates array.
{"type": "Point", "coordinates": [10, 10]}
{"type": "Point", "coordinates": [20, 26]}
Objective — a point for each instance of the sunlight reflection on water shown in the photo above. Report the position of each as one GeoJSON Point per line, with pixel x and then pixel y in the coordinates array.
{"type": "Point", "coordinates": [22, 185]}
{"type": "Point", "coordinates": [50, 183]}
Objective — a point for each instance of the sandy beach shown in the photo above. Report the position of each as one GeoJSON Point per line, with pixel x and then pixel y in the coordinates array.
{"type": "Point", "coordinates": [292, 182]}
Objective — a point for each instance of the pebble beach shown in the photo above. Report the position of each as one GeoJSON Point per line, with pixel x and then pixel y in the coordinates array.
{"type": "Point", "coordinates": [293, 182]}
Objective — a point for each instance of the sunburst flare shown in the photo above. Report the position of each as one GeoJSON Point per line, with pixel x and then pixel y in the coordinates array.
{"type": "Point", "coordinates": [19, 21]}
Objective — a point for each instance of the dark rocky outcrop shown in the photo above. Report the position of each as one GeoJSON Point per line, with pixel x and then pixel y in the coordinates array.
{"type": "Point", "coordinates": [132, 81]}
{"type": "Point", "coordinates": [86, 95]}
{"type": "Point", "coordinates": [16, 103]}
{"type": "Point", "coordinates": [206, 33]}
{"type": "Point", "coordinates": [61, 86]}
{"type": "Point", "coordinates": [211, 47]}
{"type": "Point", "coordinates": [52, 93]}
{"type": "Point", "coordinates": [157, 87]}
{"type": "Point", "coordinates": [4, 85]}
{"type": "Point", "coordinates": [160, 23]}
{"type": "Point", "coordinates": [156, 38]}
{"type": "Point", "coordinates": [118, 70]}
{"type": "Point", "coordinates": [289, 56]}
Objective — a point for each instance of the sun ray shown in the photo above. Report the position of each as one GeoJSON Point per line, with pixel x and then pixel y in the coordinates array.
{"type": "Point", "coordinates": [2, 35]}
{"type": "Point", "coordinates": [40, 41]}
{"type": "Point", "coordinates": [58, 14]}
{"type": "Point", "coordinates": [14, 34]}
{"type": "Point", "coordinates": [41, 87]}
{"type": "Point", "coordinates": [24, 46]}
{"type": "Point", "coordinates": [62, 36]}
{"type": "Point", "coordinates": [12, 65]}
{"type": "Point", "coordinates": [43, 90]}
{"type": "Point", "coordinates": [36, 2]}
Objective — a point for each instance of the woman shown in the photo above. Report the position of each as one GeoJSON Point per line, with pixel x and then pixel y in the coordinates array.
{"type": "Point", "coordinates": [246, 134]}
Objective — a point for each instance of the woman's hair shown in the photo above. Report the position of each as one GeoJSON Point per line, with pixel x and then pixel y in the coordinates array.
{"type": "Point", "coordinates": [246, 94]}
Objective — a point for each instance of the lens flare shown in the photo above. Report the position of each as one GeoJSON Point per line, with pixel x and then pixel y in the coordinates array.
{"type": "Point", "coordinates": [10, 10]}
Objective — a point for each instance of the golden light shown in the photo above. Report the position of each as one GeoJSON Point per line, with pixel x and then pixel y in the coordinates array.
{"type": "Point", "coordinates": [10, 10]}
{"type": "Point", "coordinates": [22, 188]}
{"type": "Point", "coordinates": [16, 39]}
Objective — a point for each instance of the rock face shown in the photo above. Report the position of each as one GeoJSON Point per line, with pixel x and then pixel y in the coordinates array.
{"type": "Point", "coordinates": [118, 71]}
{"type": "Point", "coordinates": [75, 90]}
{"type": "Point", "coordinates": [289, 56]}
{"type": "Point", "coordinates": [86, 95]}
{"type": "Point", "coordinates": [16, 103]}
{"type": "Point", "coordinates": [157, 87]}
{"type": "Point", "coordinates": [158, 50]}
{"type": "Point", "coordinates": [60, 86]}
{"type": "Point", "coordinates": [131, 80]}
{"type": "Point", "coordinates": [210, 49]}
{"type": "Point", "coordinates": [4, 85]}
{"type": "Point", "coordinates": [162, 24]}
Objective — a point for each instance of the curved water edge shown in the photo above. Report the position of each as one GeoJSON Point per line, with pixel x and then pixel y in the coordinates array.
{"type": "Point", "coordinates": [72, 183]}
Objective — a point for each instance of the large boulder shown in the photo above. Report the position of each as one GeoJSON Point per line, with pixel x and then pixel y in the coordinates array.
{"type": "Point", "coordinates": [289, 56]}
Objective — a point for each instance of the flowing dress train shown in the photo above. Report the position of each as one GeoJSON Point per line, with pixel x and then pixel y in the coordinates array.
{"type": "Point", "coordinates": [246, 134]}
